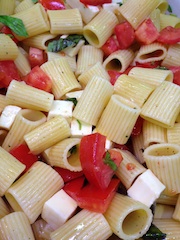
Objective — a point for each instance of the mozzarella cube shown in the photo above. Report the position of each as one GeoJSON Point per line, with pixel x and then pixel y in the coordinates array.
{"type": "Point", "coordinates": [75, 94]}
{"type": "Point", "coordinates": [146, 189]}
{"type": "Point", "coordinates": [110, 6]}
{"type": "Point", "coordinates": [8, 115]}
{"type": "Point", "coordinates": [79, 128]}
{"type": "Point", "coordinates": [108, 143]}
{"type": "Point", "coordinates": [61, 107]}
{"type": "Point", "coordinates": [58, 209]}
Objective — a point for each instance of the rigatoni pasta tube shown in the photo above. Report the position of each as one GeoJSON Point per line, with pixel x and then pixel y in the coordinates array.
{"type": "Point", "coordinates": [25, 96]}
{"type": "Point", "coordinates": [138, 147]}
{"type": "Point", "coordinates": [47, 134]}
{"type": "Point", "coordinates": [163, 211]}
{"type": "Point", "coordinates": [22, 62]}
{"type": "Point", "coordinates": [173, 134]}
{"type": "Point", "coordinates": [28, 120]}
{"type": "Point", "coordinates": [7, 7]}
{"type": "Point", "coordinates": [93, 100]}
{"type": "Point", "coordinates": [94, 227]}
{"type": "Point", "coordinates": [4, 209]}
{"type": "Point", "coordinates": [100, 28]}
{"type": "Point", "coordinates": [118, 119]}
{"type": "Point", "coordinates": [172, 57]}
{"type": "Point", "coordinates": [33, 189]}
{"type": "Point", "coordinates": [164, 161]}
{"type": "Point", "coordinates": [169, 20]}
{"type": "Point", "coordinates": [23, 5]}
{"type": "Point", "coordinates": [10, 170]}
{"type": "Point", "coordinates": [41, 229]}
{"type": "Point", "coordinates": [168, 200]}
{"type": "Point", "coordinates": [176, 213]}
{"type": "Point", "coordinates": [128, 219]}
{"type": "Point", "coordinates": [163, 6]}
{"type": "Point", "coordinates": [8, 48]}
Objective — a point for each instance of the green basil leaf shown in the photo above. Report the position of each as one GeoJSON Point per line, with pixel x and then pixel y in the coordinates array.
{"type": "Point", "coordinates": [15, 24]}
{"type": "Point", "coordinates": [80, 124]}
{"type": "Point", "coordinates": [109, 161]}
{"type": "Point", "coordinates": [154, 233]}
{"type": "Point", "coordinates": [74, 100]}
{"type": "Point", "coordinates": [34, 1]}
{"type": "Point", "coordinates": [169, 9]}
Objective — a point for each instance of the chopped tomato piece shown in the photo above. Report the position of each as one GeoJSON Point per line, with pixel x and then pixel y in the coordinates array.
{"type": "Point", "coordinates": [147, 32]}
{"type": "Point", "coordinates": [137, 127]}
{"type": "Point", "coordinates": [169, 35]}
{"type": "Point", "coordinates": [8, 72]}
{"type": "Point", "coordinates": [113, 76]}
{"type": "Point", "coordinates": [149, 64]}
{"type": "Point", "coordinates": [125, 34]}
{"type": "Point", "coordinates": [121, 146]}
{"type": "Point", "coordinates": [96, 162]}
{"type": "Point", "coordinates": [53, 4]}
{"type": "Point", "coordinates": [39, 79]}
{"type": "Point", "coordinates": [68, 175]}
{"type": "Point", "coordinates": [23, 154]}
{"type": "Point", "coordinates": [73, 187]}
{"type": "Point", "coordinates": [176, 72]}
{"type": "Point", "coordinates": [95, 2]}
{"type": "Point", "coordinates": [110, 46]}
{"type": "Point", "coordinates": [8, 31]}
{"type": "Point", "coordinates": [36, 57]}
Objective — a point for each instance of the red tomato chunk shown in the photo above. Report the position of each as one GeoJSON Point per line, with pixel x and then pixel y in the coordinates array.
{"type": "Point", "coordinates": [110, 46]}
{"type": "Point", "coordinates": [95, 2]}
{"type": "Point", "coordinates": [36, 57]}
{"type": "Point", "coordinates": [68, 175]}
{"type": "Point", "coordinates": [52, 4]}
{"type": "Point", "coordinates": [169, 35]}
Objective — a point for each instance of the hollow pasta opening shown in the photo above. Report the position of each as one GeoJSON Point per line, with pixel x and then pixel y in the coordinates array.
{"type": "Point", "coordinates": [153, 54]}
{"type": "Point", "coordinates": [163, 151]}
{"type": "Point", "coordinates": [91, 37]}
{"type": "Point", "coordinates": [114, 64]}
{"type": "Point", "coordinates": [32, 115]}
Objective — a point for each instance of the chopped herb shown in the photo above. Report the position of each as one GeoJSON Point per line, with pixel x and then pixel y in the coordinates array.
{"type": "Point", "coordinates": [34, 1]}
{"type": "Point", "coordinates": [62, 43]}
{"type": "Point", "coordinates": [169, 9]}
{"type": "Point", "coordinates": [80, 124]}
{"type": "Point", "coordinates": [120, 3]}
{"type": "Point", "coordinates": [74, 100]}
{"type": "Point", "coordinates": [73, 149]}
{"type": "Point", "coordinates": [15, 24]}
{"type": "Point", "coordinates": [110, 162]}
{"type": "Point", "coordinates": [154, 233]}
{"type": "Point", "coordinates": [172, 14]}
{"type": "Point", "coordinates": [161, 67]}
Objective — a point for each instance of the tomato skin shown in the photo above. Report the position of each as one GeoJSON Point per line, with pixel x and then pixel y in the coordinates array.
{"type": "Point", "coordinates": [8, 31]}
{"type": "Point", "coordinates": [52, 4]}
{"type": "Point", "coordinates": [74, 186]}
{"type": "Point", "coordinates": [36, 57]}
{"type": "Point", "coordinates": [110, 46]}
{"type": "Point", "coordinates": [137, 127]}
{"type": "Point", "coordinates": [22, 153]}
{"type": "Point", "coordinates": [68, 175]}
{"type": "Point", "coordinates": [176, 72]}
{"type": "Point", "coordinates": [95, 2]}
{"type": "Point", "coordinates": [39, 79]}
{"type": "Point", "coordinates": [147, 32]}
{"type": "Point", "coordinates": [113, 76]}
{"type": "Point", "coordinates": [125, 34]}
{"type": "Point", "coordinates": [169, 35]}
{"type": "Point", "coordinates": [8, 72]}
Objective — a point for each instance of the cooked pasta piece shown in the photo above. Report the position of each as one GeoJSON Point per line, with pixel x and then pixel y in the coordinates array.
{"type": "Point", "coordinates": [138, 147]}
{"type": "Point", "coordinates": [173, 134]}
{"type": "Point", "coordinates": [4, 209]}
{"type": "Point", "coordinates": [3, 134]}
{"type": "Point", "coordinates": [172, 57]}
{"type": "Point", "coordinates": [22, 62]}
{"type": "Point", "coordinates": [23, 5]}
{"type": "Point", "coordinates": [163, 5]}
{"type": "Point", "coordinates": [72, 51]}
{"type": "Point", "coordinates": [100, 28]}
{"type": "Point", "coordinates": [15, 226]}
{"type": "Point", "coordinates": [168, 200]}
{"type": "Point", "coordinates": [169, 20]}
{"type": "Point", "coordinates": [128, 219]}
{"type": "Point", "coordinates": [11, 167]}
{"type": "Point", "coordinates": [25, 96]}
{"type": "Point", "coordinates": [164, 161]}
{"type": "Point", "coordinates": [3, 102]}
{"type": "Point", "coordinates": [7, 7]}
{"type": "Point", "coordinates": [8, 48]}
{"type": "Point", "coordinates": [41, 229]}
{"type": "Point", "coordinates": [93, 100]}
{"type": "Point", "coordinates": [33, 189]}
{"type": "Point", "coordinates": [163, 211]}
{"type": "Point", "coordinates": [118, 119]}
{"type": "Point", "coordinates": [176, 213]}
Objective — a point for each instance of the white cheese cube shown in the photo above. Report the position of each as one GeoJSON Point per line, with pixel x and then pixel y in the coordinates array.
{"type": "Point", "coordinates": [108, 144]}
{"type": "Point", "coordinates": [79, 128]}
{"type": "Point", "coordinates": [146, 189]}
{"type": "Point", "coordinates": [8, 115]}
{"type": "Point", "coordinates": [61, 107]}
{"type": "Point", "coordinates": [110, 6]}
{"type": "Point", "coordinates": [58, 209]}
{"type": "Point", "coordinates": [75, 94]}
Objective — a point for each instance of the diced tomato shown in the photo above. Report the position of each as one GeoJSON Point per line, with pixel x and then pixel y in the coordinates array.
{"type": "Point", "coordinates": [36, 57]}
{"type": "Point", "coordinates": [147, 32]}
{"type": "Point", "coordinates": [137, 127]}
{"type": "Point", "coordinates": [110, 46]}
{"type": "Point", "coordinates": [176, 72]}
{"type": "Point", "coordinates": [92, 153]}
{"type": "Point", "coordinates": [23, 154]}
{"type": "Point", "coordinates": [169, 35]}
{"type": "Point", "coordinates": [95, 2]}
{"type": "Point", "coordinates": [73, 187]}
{"type": "Point", "coordinates": [149, 64]}
{"type": "Point", "coordinates": [8, 31]}
{"type": "Point", "coordinates": [121, 146]}
{"type": "Point", "coordinates": [125, 34]}
{"type": "Point", "coordinates": [53, 4]}
{"type": "Point", "coordinates": [8, 72]}
{"type": "Point", "coordinates": [68, 175]}
{"type": "Point", "coordinates": [113, 76]}
{"type": "Point", "coordinates": [39, 79]}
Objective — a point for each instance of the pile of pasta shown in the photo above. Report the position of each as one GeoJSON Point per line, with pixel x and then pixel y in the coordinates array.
{"type": "Point", "coordinates": [112, 110]}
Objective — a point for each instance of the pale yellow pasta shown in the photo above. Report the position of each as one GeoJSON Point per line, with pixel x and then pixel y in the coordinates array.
{"type": "Point", "coordinates": [25, 96]}
{"type": "Point", "coordinates": [135, 12]}
{"type": "Point", "coordinates": [41, 229]}
{"type": "Point", "coordinates": [162, 107]}
{"type": "Point", "coordinates": [8, 48]}
{"type": "Point", "coordinates": [173, 134]}
{"type": "Point", "coordinates": [133, 89]}
{"type": "Point", "coordinates": [119, 60]}
{"type": "Point", "coordinates": [100, 28]}
{"type": "Point", "coordinates": [60, 155]}
{"type": "Point", "coordinates": [129, 168]}
{"type": "Point", "coordinates": [47, 134]}
{"type": "Point", "coordinates": [7, 7]}
{"type": "Point", "coordinates": [178, 118]}
{"type": "Point", "coordinates": [87, 56]}
{"type": "Point", "coordinates": [72, 51]}
{"type": "Point", "coordinates": [11, 167]}
{"type": "Point", "coordinates": [168, 226]}
{"type": "Point", "coordinates": [68, 21]}
{"type": "Point", "coordinates": [3, 134]}
{"type": "Point", "coordinates": [118, 119]}
{"type": "Point", "coordinates": [39, 41]}
{"type": "Point", "coordinates": [3, 102]}
{"type": "Point", "coordinates": [96, 69]}
{"type": "Point", "coordinates": [173, 56]}
{"type": "Point", "coordinates": [155, 18]}
{"type": "Point", "coordinates": [27, 120]}
{"type": "Point", "coordinates": [153, 133]}
{"type": "Point", "coordinates": [151, 52]}
{"type": "Point", "coordinates": [164, 161]}
{"type": "Point", "coordinates": [176, 213]}
{"type": "Point", "coordinates": [22, 62]}
{"type": "Point", "coordinates": [35, 25]}
{"type": "Point", "coordinates": [151, 76]}
{"type": "Point", "coordinates": [138, 147]}
{"type": "Point", "coordinates": [163, 211]}
{"type": "Point", "coordinates": [94, 227]}
{"type": "Point", "coordinates": [168, 200]}
{"type": "Point", "coordinates": [23, 5]}
{"type": "Point", "coordinates": [4, 209]}
{"type": "Point", "coordinates": [163, 5]}
{"type": "Point", "coordinates": [93, 100]}
{"type": "Point", "coordinates": [129, 219]}
{"type": "Point", "coordinates": [169, 20]}
{"type": "Point", "coordinates": [33, 189]}
{"type": "Point", "coordinates": [62, 76]}
{"type": "Point", "coordinates": [15, 226]}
